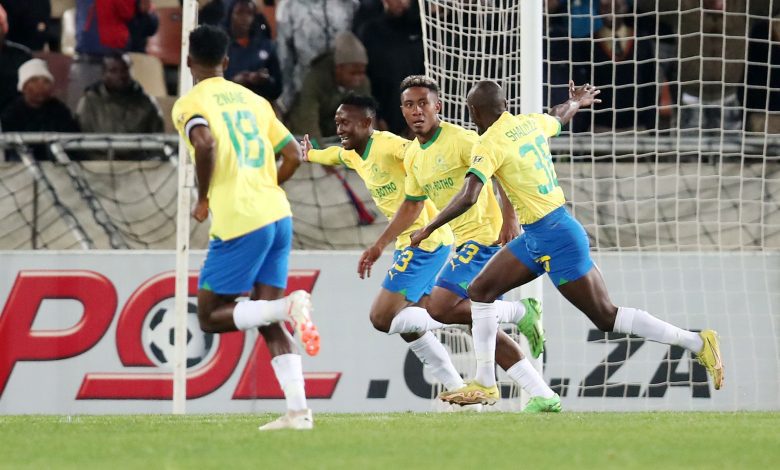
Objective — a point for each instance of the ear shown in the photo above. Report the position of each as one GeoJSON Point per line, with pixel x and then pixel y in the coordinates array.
{"type": "Point", "coordinates": [438, 105]}
{"type": "Point", "coordinates": [225, 62]}
{"type": "Point", "coordinates": [189, 62]}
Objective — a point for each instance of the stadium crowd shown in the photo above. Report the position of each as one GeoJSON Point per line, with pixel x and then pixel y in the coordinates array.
{"type": "Point", "coordinates": [110, 66]}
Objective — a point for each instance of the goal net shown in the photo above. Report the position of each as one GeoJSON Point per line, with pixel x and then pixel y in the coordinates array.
{"type": "Point", "coordinates": [674, 176]}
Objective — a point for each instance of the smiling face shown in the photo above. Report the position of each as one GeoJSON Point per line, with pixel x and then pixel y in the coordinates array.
{"type": "Point", "coordinates": [353, 126]}
{"type": "Point", "coordinates": [420, 107]}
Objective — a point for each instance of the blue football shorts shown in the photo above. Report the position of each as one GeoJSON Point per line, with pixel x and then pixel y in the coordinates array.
{"type": "Point", "coordinates": [414, 271]}
{"type": "Point", "coordinates": [467, 261]}
{"type": "Point", "coordinates": [260, 257]}
{"type": "Point", "coordinates": [556, 244]}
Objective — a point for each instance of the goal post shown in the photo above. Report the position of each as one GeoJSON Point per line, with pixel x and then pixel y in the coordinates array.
{"type": "Point", "coordinates": [185, 183]}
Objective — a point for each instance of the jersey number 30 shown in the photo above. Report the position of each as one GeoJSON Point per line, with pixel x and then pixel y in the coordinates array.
{"type": "Point", "coordinates": [543, 162]}
{"type": "Point", "coordinates": [245, 137]}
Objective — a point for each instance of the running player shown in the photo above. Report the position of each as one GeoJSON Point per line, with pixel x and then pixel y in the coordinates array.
{"type": "Point", "coordinates": [515, 150]}
{"type": "Point", "coordinates": [377, 157]}
{"type": "Point", "coordinates": [232, 135]}
{"type": "Point", "coordinates": [436, 163]}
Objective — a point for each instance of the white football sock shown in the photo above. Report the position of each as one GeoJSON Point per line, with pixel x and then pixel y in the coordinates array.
{"type": "Point", "coordinates": [413, 320]}
{"type": "Point", "coordinates": [509, 311]}
{"type": "Point", "coordinates": [433, 354]}
{"type": "Point", "coordinates": [289, 373]}
{"type": "Point", "coordinates": [484, 328]}
{"type": "Point", "coordinates": [641, 323]}
{"type": "Point", "coordinates": [254, 313]}
{"type": "Point", "coordinates": [524, 373]}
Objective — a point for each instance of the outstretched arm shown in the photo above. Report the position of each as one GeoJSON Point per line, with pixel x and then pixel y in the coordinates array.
{"type": "Point", "coordinates": [403, 219]}
{"type": "Point", "coordinates": [579, 97]}
{"type": "Point", "coordinates": [466, 197]}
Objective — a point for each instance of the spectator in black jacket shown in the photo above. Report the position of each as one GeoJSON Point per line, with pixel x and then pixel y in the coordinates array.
{"type": "Point", "coordinates": [394, 45]}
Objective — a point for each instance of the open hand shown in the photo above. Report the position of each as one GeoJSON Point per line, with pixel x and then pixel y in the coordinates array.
{"type": "Point", "coordinates": [305, 147]}
{"type": "Point", "coordinates": [585, 95]}
{"type": "Point", "coordinates": [367, 260]}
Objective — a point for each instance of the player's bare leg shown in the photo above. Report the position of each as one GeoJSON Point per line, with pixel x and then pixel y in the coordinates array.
{"type": "Point", "coordinates": [501, 274]}
{"type": "Point", "coordinates": [392, 313]}
{"type": "Point", "coordinates": [589, 294]}
{"type": "Point", "coordinates": [449, 308]}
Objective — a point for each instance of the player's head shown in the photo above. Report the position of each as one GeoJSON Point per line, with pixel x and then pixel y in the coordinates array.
{"type": "Point", "coordinates": [208, 52]}
{"type": "Point", "coordinates": [355, 120]}
{"type": "Point", "coordinates": [486, 102]}
{"type": "Point", "coordinates": [420, 103]}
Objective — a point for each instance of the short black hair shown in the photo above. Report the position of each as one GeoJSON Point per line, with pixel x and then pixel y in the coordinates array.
{"type": "Point", "coordinates": [118, 56]}
{"type": "Point", "coordinates": [208, 45]}
{"type": "Point", "coordinates": [413, 81]}
{"type": "Point", "coordinates": [364, 102]}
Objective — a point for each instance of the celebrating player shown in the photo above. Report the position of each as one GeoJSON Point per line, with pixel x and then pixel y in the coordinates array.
{"type": "Point", "coordinates": [436, 163]}
{"type": "Point", "coordinates": [233, 135]}
{"type": "Point", "coordinates": [377, 157]}
{"type": "Point", "coordinates": [515, 150]}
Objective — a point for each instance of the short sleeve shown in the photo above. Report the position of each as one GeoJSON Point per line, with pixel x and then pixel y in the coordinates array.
{"type": "Point", "coordinates": [330, 156]}
{"type": "Point", "coordinates": [412, 188]}
{"type": "Point", "coordinates": [186, 116]}
{"type": "Point", "coordinates": [484, 162]}
{"type": "Point", "coordinates": [277, 132]}
{"type": "Point", "coordinates": [549, 125]}
{"type": "Point", "coordinates": [400, 148]}
{"type": "Point", "coordinates": [465, 146]}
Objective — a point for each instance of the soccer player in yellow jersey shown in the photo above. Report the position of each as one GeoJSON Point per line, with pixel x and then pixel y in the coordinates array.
{"type": "Point", "coordinates": [515, 150]}
{"type": "Point", "coordinates": [436, 163]}
{"type": "Point", "coordinates": [233, 136]}
{"type": "Point", "coordinates": [377, 157]}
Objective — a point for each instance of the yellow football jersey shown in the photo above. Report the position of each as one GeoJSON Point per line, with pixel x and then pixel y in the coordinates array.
{"type": "Point", "coordinates": [244, 194]}
{"type": "Point", "coordinates": [381, 168]}
{"type": "Point", "coordinates": [515, 149]}
{"type": "Point", "coordinates": [436, 170]}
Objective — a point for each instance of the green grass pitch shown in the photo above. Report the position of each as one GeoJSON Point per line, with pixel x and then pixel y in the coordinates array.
{"type": "Point", "coordinates": [395, 440]}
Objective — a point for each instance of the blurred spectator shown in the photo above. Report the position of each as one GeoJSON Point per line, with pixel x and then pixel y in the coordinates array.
{"type": "Point", "coordinates": [37, 110]}
{"type": "Point", "coordinates": [143, 25]}
{"type": "Point", "coordinates": [567, 55]}
{"type": "Point", "coordinates": [253, 60]}
{"type": "Point", "coordinates": [12, 56]}
{"type": "Point", "coordinates": [306, 29]}
{"type": "Point", "coordinates": [367, 11]}
{"type": "Point", "coordinates": [117, 103]}
{"type": "Point", "coordinates": [624, 70]}
{"type": "Point", "coordinates": [762, 97]}
{"type": "Point", "coordinates": [102, 26]}
{"type": "Point", "coordinates": [394, 45]}
{"type": "Point", "coordinates": [712, 52]}
{"type": "Point", "coordinates": [331, 77]}
{"type": "Point", "coordinates": [212, 13]}
{"type": "Point", "coordinates": [30, 22]}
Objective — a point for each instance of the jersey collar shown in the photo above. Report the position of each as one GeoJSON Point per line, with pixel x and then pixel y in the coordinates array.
{"type": "Point", "coordinates": [368, 148]}
{"type": "Point", "coordinates": [433, 139]}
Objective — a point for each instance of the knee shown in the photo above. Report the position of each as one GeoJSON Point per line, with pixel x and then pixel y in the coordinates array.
{"type": "Point", "coordinates": [437, 312]}
{"type": "Point", "coordinates": [206, 323]}
{"type": "Point", "coordinates": [380, 321]}
{"type": "Point", "coordinates": [480, 292]}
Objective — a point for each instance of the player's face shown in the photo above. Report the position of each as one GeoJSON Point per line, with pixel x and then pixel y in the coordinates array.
{"type": "Point", "coordinates": [353, 126]}
{"type": "Point", "coordinates": [420, 107]}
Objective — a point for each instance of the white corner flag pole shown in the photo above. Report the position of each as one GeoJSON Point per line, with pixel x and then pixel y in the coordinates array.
{"type": "Point", "coordinates": [185, 183]}
{"type": "Point", "coordinates": [531, 89]}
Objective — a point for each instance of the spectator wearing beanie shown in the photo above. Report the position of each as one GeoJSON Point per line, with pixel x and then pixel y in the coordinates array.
{"type": "Point", "coordinates": [331, 77]}
{"type": "Point", "coordinates": [37, 110]}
